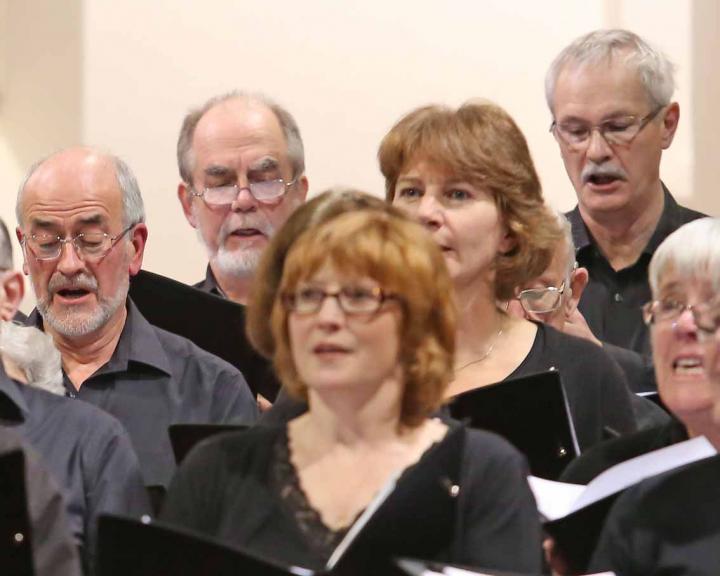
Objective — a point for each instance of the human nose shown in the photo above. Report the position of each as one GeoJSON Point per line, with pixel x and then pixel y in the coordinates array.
{"type": "Point", "coordinates": [429, 212]}
{"type": "Point", "coordinates": [244, 201]}
{"type": "Point", "coordinates": [330, 313]}
{"type": "Point", "coordinates": [684, 325]}
{"type": "Point", "coordinates": [69, 261]}
{"type": "Point", "coordinates": [598, 149]}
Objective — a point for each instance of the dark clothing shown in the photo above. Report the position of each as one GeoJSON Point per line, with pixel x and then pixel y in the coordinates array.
{"type": "Point", "coordinates": [224, 489]}
{"type": "Point", "coordinates": [86, 450]}
{"type": "Point", "coordinates": [155, 379]}
{"type": "Point", "coordinates": [599, 458]}
{"type": "Point", "coordinates": [639, 370]}
{"type": "Point", "coordinates": [53, 549]}
{"type": "Point", "coordinates": [667, 524]}
{"type": "Point", "coordinates": [600, 402]}
{"type": "Point", "coordinates": [210, 284]}
{"type": "Point", "coordinates": [612, 301]}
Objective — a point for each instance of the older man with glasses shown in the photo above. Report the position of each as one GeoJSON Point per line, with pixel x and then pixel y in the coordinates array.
{"type": "Point", "coordinates": [610, 95]}
{"type": "Point", "coordinates": [82, 230]}
{"type": "Point", "coordinates": [242, 164]}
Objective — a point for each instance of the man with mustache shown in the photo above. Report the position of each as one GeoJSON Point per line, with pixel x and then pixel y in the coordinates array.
{"type": "Point", "coordinates": [610, 95]}
{"type": "Point", "coordinates": [81, 227]}
{"type": "Point", "coordinates": [241, 161]}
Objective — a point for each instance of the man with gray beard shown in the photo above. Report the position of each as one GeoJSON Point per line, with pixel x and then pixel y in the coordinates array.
{"type": "Point", "coordinates": [81, 227]}
{"type": "Point", "coordinates": [242, 164]}
{"type": "Point", "coordinates": [610, 95]}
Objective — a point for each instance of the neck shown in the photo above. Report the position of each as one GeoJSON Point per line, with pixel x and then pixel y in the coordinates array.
{"type": "Point", "coordinates": [702, 424]}
{"type": "Point", "coordinates": [479, 322]}
{"type": "Point", "coordinates": [235, 288]}
{"type": "Point", "coordinates": [82, 356]}
{"type": "Point", "coordinates": [622, 235]}
{"type": "Point", "coordinates": [347, 418]}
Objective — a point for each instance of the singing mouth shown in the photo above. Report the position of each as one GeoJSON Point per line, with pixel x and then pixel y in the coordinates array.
{"type": "Point", "coordinates": [72, 293]}
{"type": "Point", "coordinates": [688, 366]}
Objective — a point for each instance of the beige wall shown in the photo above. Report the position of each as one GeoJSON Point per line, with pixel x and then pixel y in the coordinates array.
{"type": "Point", "coordinates": [122, 74]}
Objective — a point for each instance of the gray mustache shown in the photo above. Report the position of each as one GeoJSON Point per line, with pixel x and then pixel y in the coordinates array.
{"type": "Point", "coordinates": [79, 282]}
{"type": "Point", "coordinates": [607, 170]}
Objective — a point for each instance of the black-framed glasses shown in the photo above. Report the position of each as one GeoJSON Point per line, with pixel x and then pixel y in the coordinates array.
{"type": "Point", "coordinates": [261, 190]}
{"type": "Point", "coordinates": [706, 315]}
{"type": "Point", "coordinates": [88, 245]}
{"type": "Point", "coordinates": [352, 299]}
{"type": "Point", "coordinates": [619, 131]}
{"type": "Point", "coordinates": [541, 300]}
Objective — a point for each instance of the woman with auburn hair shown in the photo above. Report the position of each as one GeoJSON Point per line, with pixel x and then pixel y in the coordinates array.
{"type": "Point", "coordinates": [362, 326]}
{"type": "Point", "coordinates": [468, 177]}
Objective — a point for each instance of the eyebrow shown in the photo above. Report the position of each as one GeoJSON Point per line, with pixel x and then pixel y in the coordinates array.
{"type": "Point", "coordinates": [605, 118]}
{"type": "Point", "coordinates": [267, 164]}
{"type": "Point", "coordinates": [217, 171]}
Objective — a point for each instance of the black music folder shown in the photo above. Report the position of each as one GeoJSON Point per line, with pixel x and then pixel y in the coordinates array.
{"type": "Point", "coordinates": [214, 324]}
{"type": "Point", "coordinates": [531, 412]}
{"type": "Point", "coordinates": [414, 516]}
{"type": "Point", "coordinates": [183, 437]}
{"type": "Point", "coordinates": [15, 530]}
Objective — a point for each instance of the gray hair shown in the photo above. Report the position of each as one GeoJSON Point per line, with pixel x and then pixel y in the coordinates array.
{"type": "Point", "coordinates": [691, 251]}
{"type": "Point", "coordinates": [6, 256]}
{"type": "Point", "coordinates": [34, 353]}
{"type": "Point", "coordinates": [293, 140]}
{"type": "Point", "coordinates": [133, 207]}
{"type": "Point", "coordinates": [564, 225]}
{"type": "Point", "coordinates": [654, 68]}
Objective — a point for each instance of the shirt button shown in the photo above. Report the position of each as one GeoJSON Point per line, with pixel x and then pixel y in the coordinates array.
{"type": "Point", "coordinates": [617, 297]}
{"type": "Point", "coordinates": [72, 394]}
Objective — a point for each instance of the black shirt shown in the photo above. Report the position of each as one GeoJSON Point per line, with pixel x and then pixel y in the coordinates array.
{"type": "Point", "coordinates": [86, 450]}
{"type": "Point", "coordinates": [155, 379]}
{"type": "Point", "coordinates": [210, 284]}
{"type": "Point", "coordinates": [224, 489]}
{"type": "Point", "coordinates": [53, 550]}
{"type": "Point", "coordinates": [599, 399]}
{"type": "Point", "coordinates": [612, 301]}
{"type": "Point", "coordinates": [668, 524]}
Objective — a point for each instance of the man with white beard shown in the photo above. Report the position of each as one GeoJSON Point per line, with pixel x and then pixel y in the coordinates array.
{"type": "Point", "coordinates": [242, 164]}
{"type": "Point", "coordinates": [81, 227]}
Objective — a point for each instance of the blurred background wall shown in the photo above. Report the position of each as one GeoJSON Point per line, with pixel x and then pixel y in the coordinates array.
{"type": "Point", "coordinates": [121, 75]}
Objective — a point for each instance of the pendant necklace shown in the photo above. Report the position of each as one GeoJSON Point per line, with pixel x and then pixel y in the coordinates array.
{"type": "Point", "coordinates": [486, 353]}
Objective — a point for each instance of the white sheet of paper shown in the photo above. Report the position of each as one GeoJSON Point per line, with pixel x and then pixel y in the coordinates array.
{"type": "Point", "coordinates": [558, 499]}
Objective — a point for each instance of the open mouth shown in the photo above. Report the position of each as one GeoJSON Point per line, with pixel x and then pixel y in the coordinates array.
{"type": "Point", "coordinates": [246, 232]}
{"type": "Point", "coordinates": [72, 293]}
{"type": "Point", "coordinates": [688, 366]}
{"type": "Point", "coordinates": [329, 349]}
{"type": "Point", "coordinates": [602, 179]}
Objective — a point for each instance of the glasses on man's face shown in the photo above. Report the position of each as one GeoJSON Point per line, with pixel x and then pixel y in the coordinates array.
{"type": "Point", "coordinates": [706, 315]}
{"type": "Point", "coordinates": [620, 131]}
{"type": "Point", "coordinates": [541, 300]}
{"type": "Point", "coordinates": [88, 245]}
{"type": "Point", "coordinates": [262, 190]}
{"type": "Point", "coordinates": [307, 299]}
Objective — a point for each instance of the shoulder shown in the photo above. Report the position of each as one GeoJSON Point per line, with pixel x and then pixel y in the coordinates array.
{"type": "Point", "coordinates": [74, 415]}
{"type": "Point", "coordinates": [186, 353]}
{"type": "Point", "coordinates": [487, 452]}
{"type": "Point", "coordinates": [568, 350]}
{"type": "Point", "coordinates": [234, 451]}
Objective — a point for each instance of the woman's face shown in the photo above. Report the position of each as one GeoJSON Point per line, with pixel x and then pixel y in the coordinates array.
{"type": "Point", "coordinates": [333, 349]}
{"type": "Point", "coordinates": [463, 220]}
{"type": "Point", "coordinates": [677, 353]}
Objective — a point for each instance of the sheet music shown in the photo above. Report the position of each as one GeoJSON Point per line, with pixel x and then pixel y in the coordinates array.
{"type": "Point", "coordinates": [558, 499]}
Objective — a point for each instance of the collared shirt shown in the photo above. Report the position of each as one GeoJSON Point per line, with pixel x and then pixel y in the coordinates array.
{"type": "Point", "coordinates": [87, 452]}
{"type": "Point", "coordinates": [210, 284]}
{"type": "Point", "coordinates": [54, 551]}
{"type": "Point", "coordinates": [612, 301]}
{"type": "Point", "coordinates": [154, 379]}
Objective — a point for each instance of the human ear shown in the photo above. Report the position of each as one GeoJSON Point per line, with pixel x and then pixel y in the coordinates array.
{"type": "Point", "coordinates": [186, 198]}
{"type": "Point", "coordinates": [670, 124]}
{"type": "Point", "coordinates": [12, 290]}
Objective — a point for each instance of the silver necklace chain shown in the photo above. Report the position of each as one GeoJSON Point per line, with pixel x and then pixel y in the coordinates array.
{"type": "Point", "coordinates": [486, 354]}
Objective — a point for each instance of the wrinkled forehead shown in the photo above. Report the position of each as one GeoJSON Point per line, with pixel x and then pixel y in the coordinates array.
{"type": "Point", "coordinates": [68, 187]}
